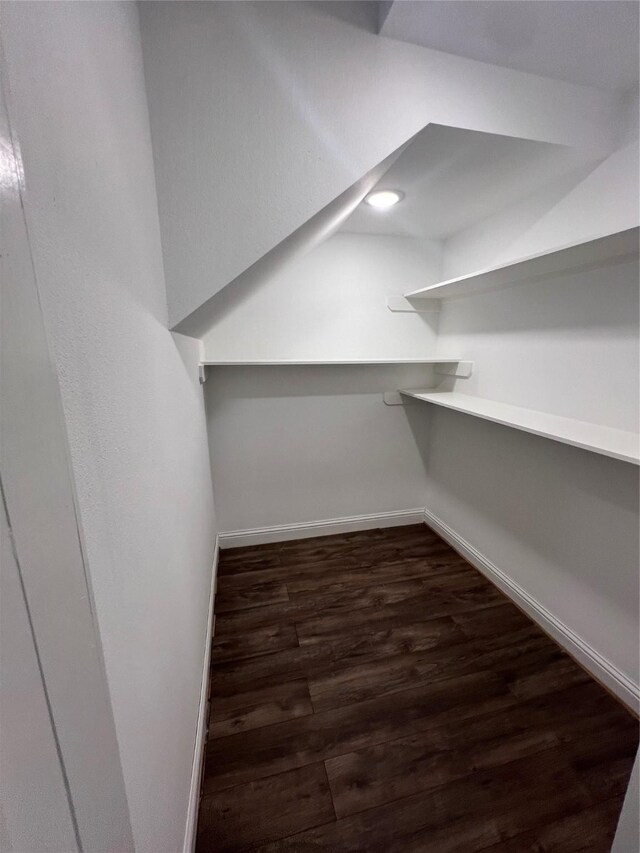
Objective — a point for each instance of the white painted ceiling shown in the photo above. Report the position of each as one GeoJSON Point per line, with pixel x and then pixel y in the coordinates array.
{"type": "Point", "coordinates": [590, 42]}
{"type": "Point", "coordinates": [453, 178]}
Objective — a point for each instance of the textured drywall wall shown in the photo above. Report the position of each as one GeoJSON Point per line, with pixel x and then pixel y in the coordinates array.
{"type": "Point", "coordinates": [133, 407]}
{"type": "Point", "coordinates": [331, 304]}
{"type": "Point", "coordinates": [56, 601]}
{"type": "Point", "coordinates": [567, 345]}
{"type": "Point", "coordinates": [263, 113]}
{"type": "Point", "coordinates": [298, 444]}
{"type": "Point", "coordinates": [559, 521]}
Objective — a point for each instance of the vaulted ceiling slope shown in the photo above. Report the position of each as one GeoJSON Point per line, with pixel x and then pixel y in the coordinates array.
{"type": "Point", "coordinates": [308, 236]}
{"type": "Point", "coordinates": [263, 113]}
{"type": "Point", "coordinates": [453, 178]}
{"type": "Point", "coordinates": [589, 42]}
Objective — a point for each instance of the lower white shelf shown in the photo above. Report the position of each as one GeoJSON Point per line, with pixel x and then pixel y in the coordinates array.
{"type": "Point", "coordinates": [329, 362]}
{"type": "Point", "coordinates": [617, 443]}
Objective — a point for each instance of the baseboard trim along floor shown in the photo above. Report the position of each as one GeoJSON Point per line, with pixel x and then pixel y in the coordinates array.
{"type": "Point", "coordinates": [200, 739]}
{"type": "Point", "coordinates": [602, 669]}
{"type": "Point", "coordinates": [327, 527]}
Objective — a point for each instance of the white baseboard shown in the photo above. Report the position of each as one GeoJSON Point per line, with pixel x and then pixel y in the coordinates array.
{"type": "Point", "coordinates": [328, 527]}
{"type": "Point", "coordinates": [601, 668]}
{"type": "Point", "coordinates": [189, 845]}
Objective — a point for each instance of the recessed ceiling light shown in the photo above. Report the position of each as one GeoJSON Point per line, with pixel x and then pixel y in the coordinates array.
{"type": "Point", "coordinates": [382, 199]}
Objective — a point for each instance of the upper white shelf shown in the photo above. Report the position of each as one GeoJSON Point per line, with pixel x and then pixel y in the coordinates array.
{"type": "Point", "coordinates": [607, 441]}
{"type": "Point", "coordinates": [575, 257]}
{"type": "Point", "coordinates": [356, 361]}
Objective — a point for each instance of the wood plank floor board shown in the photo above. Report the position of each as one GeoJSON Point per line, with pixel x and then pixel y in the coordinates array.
{"type": "Point", "coordinates": [492, 621]}
{"type": "Point", "coordinates": [383, 571]}
{"type": "Point", "coordinates": [589, 830]}
{"type": "Point", "coordinates": [395, 769]}
{"type": "Point", "coordinates": [245, 621]}
{"type": "Point", "coordinates": [284, 746]}
{"type": "Point", "coordinates": [259, 641]}
{"type": "Point", "coordinates": [346, 598]}
{"type": "Point", "coordinates": [372, 692]}
{"type": "Point", "coordinates": [265, 809]}
{"type": "Point", "coordinates": [341, 651]}
{"type": "Point", "coordinates": [314, 573]}
{"type": "Point", "coordinates": [480, 809]}
{"type": "Point", "coordinates": [231, 562]}
{"type": "Point", "coordinates": [326, 613]}
{"type": "Point", "coordinates": [256, 595]}
{"type": "Point", "coordinates": [604, 766]}
{"type": "Point", "coordinates": [263, 706]}
{"type": "Point", "coordinates": [238, 675]}
{"type": "Point", "coordinates": [556, 674]}
{"type": "Point", "coordinates": [341, 685]}
{"type": "Point", "coordinates": [582, 712]}
{"type": "Point", "coordinates": [355, 555]}
{"type": "Point", "coordinates": [419, 607]}
{"type": "Point", "coordinates": [374, 775]}
{"type": "Point", "coordinates": [365, 553]}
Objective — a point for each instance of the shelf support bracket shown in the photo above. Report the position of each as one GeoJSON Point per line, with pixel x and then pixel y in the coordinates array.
{"type": "Point", "coordinates": [395, 398]}
{"type": "Point", "coordinates": [202, 373]}
{"type": "Point", "coordinates": [401, 305]}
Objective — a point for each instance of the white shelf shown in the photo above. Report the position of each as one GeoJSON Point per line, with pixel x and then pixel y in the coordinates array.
{"type": "Point", "coordinates": [607, 441]}
{"type": "Point", "coordinates": [294, 362]}
{"type": "Point", "coordinates": [578, 256]}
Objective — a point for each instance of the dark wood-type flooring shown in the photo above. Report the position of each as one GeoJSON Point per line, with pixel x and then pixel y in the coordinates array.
{"type": "Point", "coordinates": [373, 692]}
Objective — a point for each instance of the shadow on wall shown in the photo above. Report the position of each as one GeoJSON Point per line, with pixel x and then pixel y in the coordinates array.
{"type": "Point", "coordinates": [297, 444]}
{"type": "Point", "coordinates": [579, 300]}
{"type": "Point", "coordinates": [313, 232]}
{"type": "Point", "coordinates": [258, 382]}
{"type": "Point", "coordinates": [510, 231]}
{"type": "Point", "coordinates": [574, 516]}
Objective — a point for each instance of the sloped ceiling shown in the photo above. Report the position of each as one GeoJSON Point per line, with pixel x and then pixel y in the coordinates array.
{"type": "Point", "coordinates": [313, 232]}
{"type": "Point", "coordinates": [453, 178]}
{"type": "Point", "coordinates": [588, 42]}
{"type": "Point", "coordinates": [262, 114]}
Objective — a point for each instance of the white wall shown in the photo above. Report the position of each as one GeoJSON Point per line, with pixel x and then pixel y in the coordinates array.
{"type": "Point", "coordinates": [567, 345]}
{"type": "Point", "coordinates": [331, 304]}
{"type": "Point", "coordinates": [299, 444]}
{"type": "Point", "coordinates": [133, 408]}
{"type": "Point", "coordinates": [59, 752]}
{"type": "Point", "coordinates": [263, 113]}
{"type": "Point", "coordinates": [560, 522]}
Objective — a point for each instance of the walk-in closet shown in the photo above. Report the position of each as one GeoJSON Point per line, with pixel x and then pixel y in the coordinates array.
{"type": "Point", "coordinates": [320, 426]}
